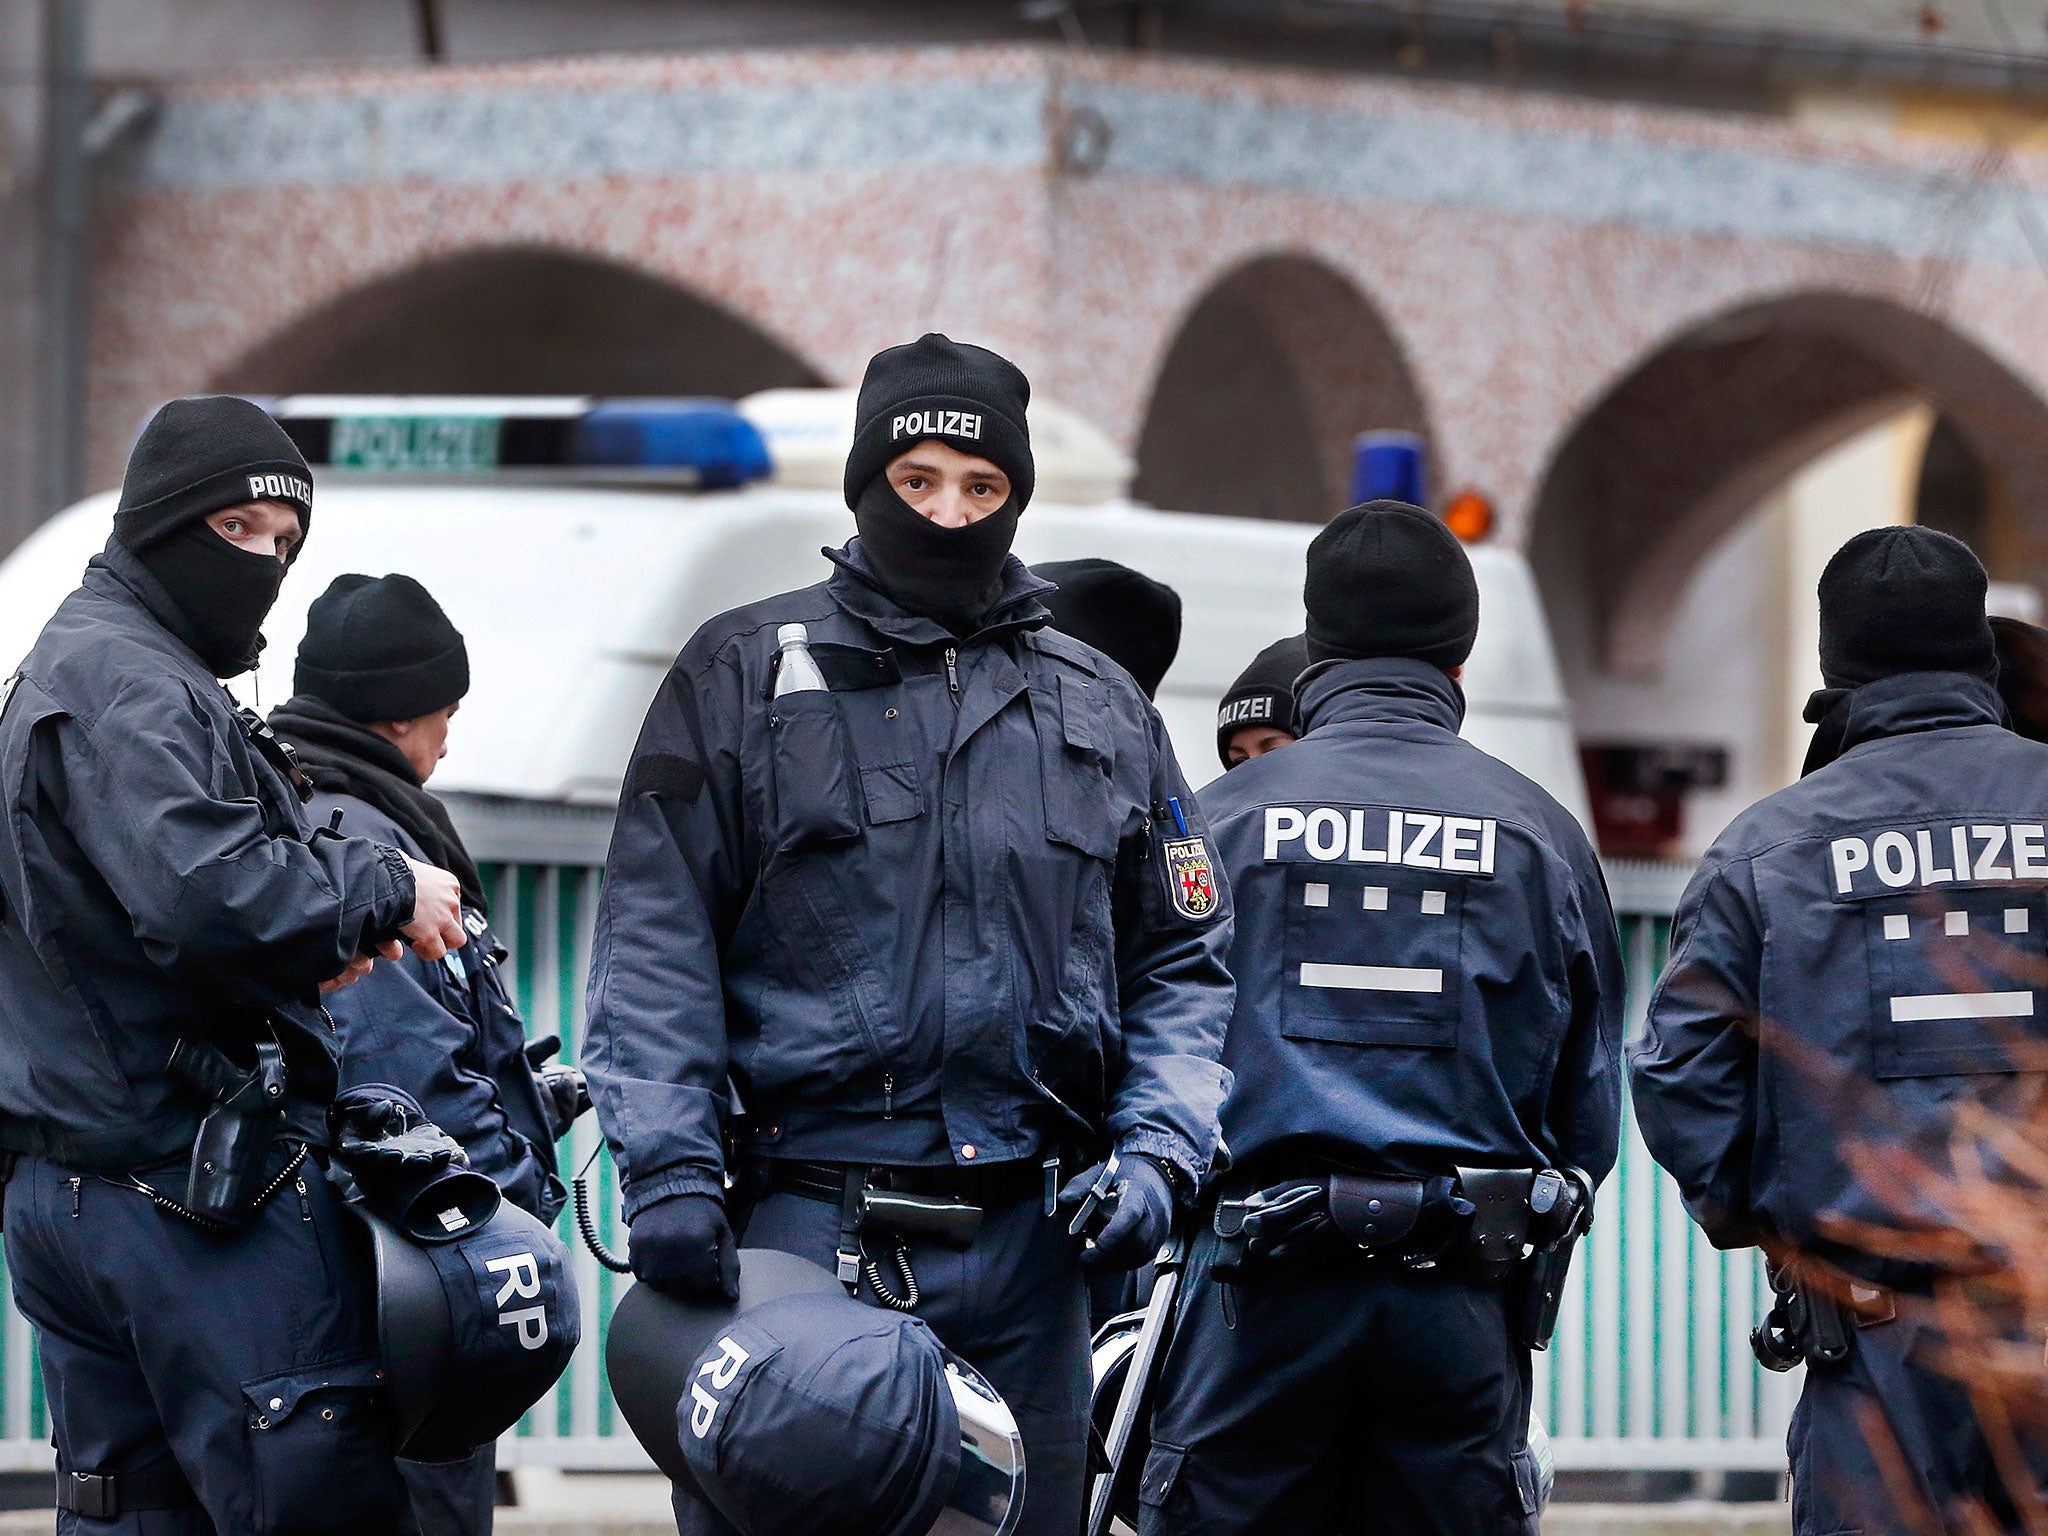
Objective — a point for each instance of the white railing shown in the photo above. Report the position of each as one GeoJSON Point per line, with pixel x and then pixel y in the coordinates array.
{"type": "Point", "coordinates": [1651, 1367]}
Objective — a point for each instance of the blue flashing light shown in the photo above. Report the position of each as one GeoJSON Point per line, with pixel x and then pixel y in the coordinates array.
{"type": "Point", "coordinates": [1389, 466]}
{"type": "Point", "coordinates": [704, 435]}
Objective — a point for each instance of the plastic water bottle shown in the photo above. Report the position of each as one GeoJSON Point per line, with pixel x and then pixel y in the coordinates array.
{"type": "Point", "coordinates": [799, 670]}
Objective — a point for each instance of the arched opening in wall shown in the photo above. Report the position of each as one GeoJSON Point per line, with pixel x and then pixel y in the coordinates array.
{"type": "Point", "coordinates": [1271, 377]}
{"type": "Point", "coordinates": [1683, 521]}
{"type": "Point", "coordinates": [519, 321]}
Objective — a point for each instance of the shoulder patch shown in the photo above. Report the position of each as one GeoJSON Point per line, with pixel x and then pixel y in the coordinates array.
{"type": "Point", "coordinates": [1190, 877]}
{"type": "Point", "coordinates": [665, 773]}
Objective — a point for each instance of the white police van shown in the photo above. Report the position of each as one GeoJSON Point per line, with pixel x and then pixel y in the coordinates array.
{"type": "Point", "coordinates": [578, 543]}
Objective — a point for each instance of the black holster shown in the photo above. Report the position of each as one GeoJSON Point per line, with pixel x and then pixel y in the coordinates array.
{"type": "Point", "coordinates": [1805, 1326]}
{"type": "Point", "coordinates": [230, 1159]}
{"type": "Point", "coordinates": [1560, 1210]}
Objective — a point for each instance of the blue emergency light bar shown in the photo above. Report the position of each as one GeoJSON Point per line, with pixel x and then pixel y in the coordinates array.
{"type": "Point", "coordinates": [698, 442]}
{"type": "Point", "coordinates": [1389, 466]}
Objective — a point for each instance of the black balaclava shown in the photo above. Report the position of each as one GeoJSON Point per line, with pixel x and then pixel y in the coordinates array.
{"type": "Point", "coordinates": [1389, 579]}
{"type": "Point", "coordinates": [196, 457]}
{"type": "Point", "coordinates": [1129, 617]}
{"type": "Point", "coordinates": [1903, 599]}
{"type": "Point", "coordinates": [936, 389]}
{"type": "Point", "coordinates": [953, 575]}
{"type": "Point", "coordinates": [1263, 693]}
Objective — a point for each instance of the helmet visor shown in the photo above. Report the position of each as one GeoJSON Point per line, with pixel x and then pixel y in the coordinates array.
{"type": "Point", "coordinates": [987, 1498]}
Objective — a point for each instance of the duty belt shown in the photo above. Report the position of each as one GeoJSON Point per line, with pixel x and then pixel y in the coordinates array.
{"type": "Point", "coordinates": [939, 1204]}
{"type": "Point", "coordinates": [109, 1495]}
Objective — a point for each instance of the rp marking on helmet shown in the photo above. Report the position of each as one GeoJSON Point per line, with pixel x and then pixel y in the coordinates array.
{"type": "Point", "coordinates": [522, 1280]}
{"type": "Point", "coordinates": [703, 1406]}
{"type": "Point", "coordinates": [1190, 877]}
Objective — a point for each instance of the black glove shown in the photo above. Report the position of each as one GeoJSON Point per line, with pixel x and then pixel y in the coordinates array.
{"type": "Point", "coordinates": [382, 1132]}
{"type": "Point", "coordinates": [409, 1170]}
{"type": "Point", "coordinates": [1141, 1212]}
{"type": "Point", "coordinates": [539, 1052]}
{"type": "Point", "coordinates": [683, 1245]}
{"type": "Point", "coordinates": [564, 1094]}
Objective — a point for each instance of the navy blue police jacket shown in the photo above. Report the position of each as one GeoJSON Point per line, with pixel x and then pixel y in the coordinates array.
{"type": "Point", "coordinates": [931, 916]}
{"type": "Point", "coordinates": [1857, 957]}
{"type": "Point", "coordinates": [448, 1033]}
{"type": "Point", "coordinates": [1428, 975]}
{"type": "Point", "coordinates": [158, 880]}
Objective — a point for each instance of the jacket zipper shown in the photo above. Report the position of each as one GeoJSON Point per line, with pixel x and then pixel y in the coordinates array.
{"type": "Point", "coordinates": [952, 673]}
{"type": "Point", "coordinates": [888, 1097]}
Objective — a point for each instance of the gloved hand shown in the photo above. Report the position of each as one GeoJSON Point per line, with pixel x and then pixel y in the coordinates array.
{"type": "Point", "coordinates": [564, 1094]}
{"type": "Point", "coordinates": [1141, 1219]}
{"type": "Point", "coordinates": [684, 1246]}
{"type": "Point", "coordinates": [383, 1133]}
{"type": "Point", "coordinates": [540, 1051]}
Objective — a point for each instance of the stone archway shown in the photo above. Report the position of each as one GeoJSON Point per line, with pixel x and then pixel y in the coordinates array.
{"type": "Point", "coordinates": [518, 321]}
{"type": "Point", "coordinates": [1702, 430]}
{"type": "Point", "coordinates": [1273, 373]}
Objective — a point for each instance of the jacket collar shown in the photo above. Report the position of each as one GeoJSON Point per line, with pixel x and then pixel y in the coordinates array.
{"type": "Point", "coordinates": [1383, 690]}
{"type": "Point", "coordinates": [117, 574]}
{"type": "Point", "coordinates": [1919, 701]}
{"type": "Point", "coordinates": [860, 592]}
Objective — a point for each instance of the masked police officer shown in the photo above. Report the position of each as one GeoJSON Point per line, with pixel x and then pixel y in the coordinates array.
{"type": "Point", "coordinates": [938, 919]}
{"type": "Point", "coordinates": [1855, 990]}
{"type": "Point", "coordinates": [1427, 1081]}
{"type": "Point", "coordinates": [1257, 714]}
{"type": "Point", "coordinates": [380, 674]}
{"type": "Point", "coordinates": [167, 920]}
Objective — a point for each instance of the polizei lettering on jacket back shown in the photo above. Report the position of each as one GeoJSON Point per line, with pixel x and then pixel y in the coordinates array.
{"type": "Point", "coordinates": [1418, 839]}
{"type": "Point", "coordinates": [921, 424]}
{"type": "Point", "coordinates": [1940, 855]}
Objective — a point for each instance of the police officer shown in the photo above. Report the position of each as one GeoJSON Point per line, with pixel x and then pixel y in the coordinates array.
{"type": "Point", "coordinates": [167, 920]}
{"type": "Point", "coordinates": [1257, 714]}
{"type": "Point", "coordinates": [939, 922]}
{"type": "Point", "coordinates": [1125, 614]}
{"type": "Point", "coordinates": [380, 674]}
{"type": "Point", "coordinates": [1427, 1081]}
{"type": "Point", "coordinates": [1855, 973]}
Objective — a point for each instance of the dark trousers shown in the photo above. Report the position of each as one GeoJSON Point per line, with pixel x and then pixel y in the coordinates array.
{"type": "Point", "coordinates": [454, 1498]}
{"type": "Point", "coordinates": [1886, 1442]}
{"type": "Point", "coordinates": [1013, 1306]}
{"type": "Point", "coordinates": [248, 1359]}
{"type": "Point", "coordinates": [1338, 1395]}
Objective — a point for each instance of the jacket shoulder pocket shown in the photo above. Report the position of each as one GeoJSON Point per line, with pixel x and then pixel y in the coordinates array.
{"type": "Point", "coordinates": [1076, 756]}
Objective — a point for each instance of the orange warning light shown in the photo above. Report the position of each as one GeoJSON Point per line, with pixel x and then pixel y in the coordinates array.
{"type": "Point", "coordinates": [1470, 516]}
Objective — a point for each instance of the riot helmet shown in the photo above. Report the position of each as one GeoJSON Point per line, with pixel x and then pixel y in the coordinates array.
{"type": "Point", "coordinates": [798, 1410]}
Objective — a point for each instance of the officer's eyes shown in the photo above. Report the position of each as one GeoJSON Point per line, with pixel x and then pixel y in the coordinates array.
{"type": "Point", "coordinates": [913, 482]}
{"type": "Point", "coordinates": [983, 488]}
{"type": "Point", "coordinates": [234, 526]}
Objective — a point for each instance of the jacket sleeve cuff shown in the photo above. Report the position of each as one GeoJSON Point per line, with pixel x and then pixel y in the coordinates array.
{"type": "Point", "coordinates": [394, 913]}
{"type": "Point", "coordinates": [1172, 1154]}
{"type": "Point", "coordinates": [642, 1193]}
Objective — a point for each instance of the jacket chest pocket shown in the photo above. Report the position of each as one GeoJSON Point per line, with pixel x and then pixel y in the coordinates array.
{"type": "Point", "coordinates": [1076, 756]}
{"type": "Point", "coordinates": [1373, 956]}
{"type": "Point", "coordinates": [1956, 981]}
{"type": "Point", "coordinates": [817, 792]}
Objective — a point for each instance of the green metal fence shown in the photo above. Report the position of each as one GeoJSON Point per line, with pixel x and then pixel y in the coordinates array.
{"type": "Point", "coordinates": [1651, 1367]}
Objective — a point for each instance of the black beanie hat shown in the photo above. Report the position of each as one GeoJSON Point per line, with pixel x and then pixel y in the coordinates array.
{"type": "Point", "coordinates": [1389, 579]}
{"type": "Point", "coordinates": [965, 396]}
{"type": "Point", "coordinates": [380, 648]}
{"type": "Point", "coordinates": [199, 455]}
{"type": "Point", "coordinates": [1263, 693]}
{"type": "Point", "coordinates": [1129, 617]}
{"type": "Point", "coordinates": [1903, 599]}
